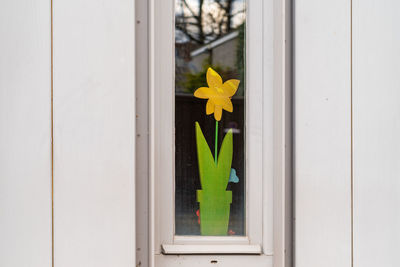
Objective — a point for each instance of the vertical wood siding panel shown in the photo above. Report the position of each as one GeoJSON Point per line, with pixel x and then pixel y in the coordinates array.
{"type": "Point", "coordinates": [142, 133]}
{"type": "Point", "coordinates": [322, 133]}
{"type": "Point", "coordinates": [376, 84]}
{"type": "Point", "coordinates": [25, 133]}
{"type": "Point", "coordinates": [94, 134]}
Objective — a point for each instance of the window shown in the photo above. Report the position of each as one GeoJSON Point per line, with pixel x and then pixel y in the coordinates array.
{"type": "Point", "coordinates": [257, 124]}
{"type": "Point", "coordinates": [209, 45]}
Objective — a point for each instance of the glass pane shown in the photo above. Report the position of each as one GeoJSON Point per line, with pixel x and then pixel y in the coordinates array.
{"type": "Point", "coordinates": [209, 113]}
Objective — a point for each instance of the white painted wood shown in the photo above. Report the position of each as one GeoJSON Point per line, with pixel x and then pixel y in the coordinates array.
{"type": "Point", "coordinates": [213, 260]}
{"type": "Point", "coordinates": [322, 133]}
{"type": "Point", "coordinates": [282, 129]}
{"type": "Point", "coordinates": [258, 159]}
{"type": "Point", "coordinates": [211, 249]}
{"type": "Point", "coordinates": [142, 133]}
{"type": "Point", "coordinates": [25, 133]}
{"type": "Point", "coordinates": [94, 133]}
{"type": "Point", "coordinates": [376, 117]}
{"type": "Point", "coordinates": [162, 148]}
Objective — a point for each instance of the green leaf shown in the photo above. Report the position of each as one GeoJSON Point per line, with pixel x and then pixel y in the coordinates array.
{"type": "Point", "coordinates": [225, 160]}
{"type": "Point", "coordinates": [207, 167]}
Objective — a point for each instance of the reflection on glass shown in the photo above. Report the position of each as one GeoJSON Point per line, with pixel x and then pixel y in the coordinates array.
{"type": "Point", "coordinates": [209, 48]}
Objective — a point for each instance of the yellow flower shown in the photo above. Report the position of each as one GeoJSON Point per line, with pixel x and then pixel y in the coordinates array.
{"type": "Point", "coordinates": [218, 94]}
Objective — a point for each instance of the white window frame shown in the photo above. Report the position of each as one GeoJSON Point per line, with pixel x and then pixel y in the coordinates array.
{"type": "Point", "coordinates": [269, 164]}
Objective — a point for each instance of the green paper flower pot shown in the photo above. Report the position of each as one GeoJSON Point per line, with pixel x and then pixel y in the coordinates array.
{"type": "Point", "coordinates": [214, 212]}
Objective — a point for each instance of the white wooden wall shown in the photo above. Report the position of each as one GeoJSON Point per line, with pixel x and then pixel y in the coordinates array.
{"type": "Point", "coordinates": [322, 87]}
{"type": "Point", "coordinates": [25, 133]}
{"type": "Point", "coordinates": [94, 135]}
{"type": "Point", "coordinates": [93, 46]}
{"type": "Point", "coordinates": [376, 115]}
{"type": "Point", "coordinates": [347, 128]}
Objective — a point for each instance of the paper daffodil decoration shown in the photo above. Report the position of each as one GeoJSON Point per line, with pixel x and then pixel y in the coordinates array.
{"type": "Point", "coordinates": [215, 172]}
{"type": "Point", "coordinates": [218, 94]}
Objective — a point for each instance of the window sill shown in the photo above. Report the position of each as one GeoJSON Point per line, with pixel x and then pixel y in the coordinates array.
{"type": "Point", "coordinates": [173, 249]}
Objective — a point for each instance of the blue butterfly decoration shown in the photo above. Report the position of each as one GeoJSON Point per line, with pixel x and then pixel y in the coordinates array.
{"type": "Point", "coordinates": [233, 177]}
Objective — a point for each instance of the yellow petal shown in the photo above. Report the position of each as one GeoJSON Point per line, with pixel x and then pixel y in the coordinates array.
{"type": "Point", "coordinates": [218, 113]}
{"type": "Point", "coordinates": [213, 78]}
{"type": "Point", "coordinates": [219, 100]}
{"type": "Point", "coordinates": [230, 87]}
{"type": "Point", "coordinates": [228, 105]}
{"type": "Point", "coordinates": [210, 107]}
{"type": "Point", "coordinates": [204, 92]}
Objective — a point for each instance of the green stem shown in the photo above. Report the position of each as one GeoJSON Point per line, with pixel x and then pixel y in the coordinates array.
{"type": "Point", "coordinates": [216, 141]}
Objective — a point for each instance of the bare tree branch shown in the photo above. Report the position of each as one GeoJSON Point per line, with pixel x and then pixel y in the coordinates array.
{"type": "Point", "coordinates": [237, 13]}
{"type": "Point", "coordinates": [190, 36]}
{"type": "Point", "coordinates": [219, 3]}
{"type": "Point", "coordinates": [205, 25]}
{"type": "Point", "coordinates": [190, 9]}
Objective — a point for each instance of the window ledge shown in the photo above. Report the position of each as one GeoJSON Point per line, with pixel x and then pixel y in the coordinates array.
{"type": "Point", "coordinates": [173, 249]}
